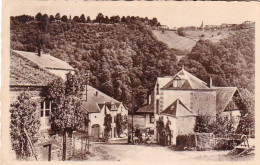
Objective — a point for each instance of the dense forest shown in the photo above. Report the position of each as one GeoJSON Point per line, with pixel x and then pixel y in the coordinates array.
{"type": "Point", "coordinates": [124, 57]}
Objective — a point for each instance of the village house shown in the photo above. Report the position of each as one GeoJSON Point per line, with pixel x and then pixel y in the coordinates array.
{"type": "Point", "coordinates": [32, 72]}
{"type": "Point", "coordinates": [147, 113]}
{"type": "Point", "coordinates": [54, 65]}
{"type": "Point", "coordinates": [98, 105]}
{"type": "Point", "coordinates": [29, 76]}
{"type": "Point", "coordinates": [182, 97]}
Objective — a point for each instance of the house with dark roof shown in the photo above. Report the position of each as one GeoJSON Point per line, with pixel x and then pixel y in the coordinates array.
{"type": "Point", "coordinates": [98, 105]}
{"type": "Point", "coordinates": [27, 76]}
{"type": "Point", "coordinates": [54, 65]}
{"type": "Point", "coordinates": [147, 112]}
{"type": "Point", "coordinates": [182, 97]}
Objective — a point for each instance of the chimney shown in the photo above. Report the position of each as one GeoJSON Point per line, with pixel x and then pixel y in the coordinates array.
{"type": "Point", "coordinates": [210, 82]}
{"type": "Point", "coordinates": [40, 51]}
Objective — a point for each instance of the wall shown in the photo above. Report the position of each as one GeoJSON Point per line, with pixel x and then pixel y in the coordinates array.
{"type": "Point", "coordinates": [232, 114]}
{"type": "Point", "coordinates": [185, 125]}
{"type": "Point", "coordinates": [148, 124]}
{"type": "Point", "coordinates": [173, 127]}
{"type": "Point", "coordinates": [203, 102]}
{"type": "Point", "coordinates": [169, 96]}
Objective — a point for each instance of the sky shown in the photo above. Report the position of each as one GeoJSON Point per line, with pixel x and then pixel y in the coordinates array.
{"type": "Point", "coordinates": [172, 14]}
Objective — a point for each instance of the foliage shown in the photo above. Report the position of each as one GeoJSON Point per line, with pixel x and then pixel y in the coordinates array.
{"type": "Point", "coordinates": [247, 105]}
{"type": "Point", "coordinates": [24, 117]}
{"type": "Point", "coordinates": [163, 131]}
{"type": "Point", "coordinates": [108, 127]}
{"type": "Point", "coordinates": [218, 125]}
{"type": "Point", "coordinates": [122, 57]}
{"type": "Point", "coordinates": [67, 112]}
{"type": "Point", "coordinates": [229, 62]}
{"type": "Point", "coordinates": [121, 123]}
{"type": "Point", "coordinates": [202, 124]}
{"type": "Point", "coordinates": [181, 31]}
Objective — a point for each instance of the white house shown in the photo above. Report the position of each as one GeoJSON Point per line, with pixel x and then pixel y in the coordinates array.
{"type": "Point", "coordinates": [98, 105]}
{"type": "Point", "coordinates": [182, 97]}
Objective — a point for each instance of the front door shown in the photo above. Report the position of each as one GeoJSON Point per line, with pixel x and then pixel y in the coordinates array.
{"type": "Point", "coordinates": [95, 130]}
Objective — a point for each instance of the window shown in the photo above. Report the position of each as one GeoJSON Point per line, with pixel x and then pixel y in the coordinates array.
{"type": "Point", "coordinates": [152, 118]}
{"type": "Point", "coordinates": [157, 106]}
{"type": "Point", "coordinates": [45, 114]}
{"type": "Point", "coordinates": [177, 83]}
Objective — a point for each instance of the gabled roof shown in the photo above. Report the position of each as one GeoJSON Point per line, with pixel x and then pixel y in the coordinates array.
{"type": "Point", "coordinates": [24, 72]}
{"type": "Point", "coordinates": [146, 109]}
{"type": "Point", "coordinates": [177, 109]}
{"type": "Point", "coordinates": [162, 81]}
{"type": "Point", "coordinates": [224, 96]}
{"type": "Point", "coordinates": [45, 60]}
{"type": "Point", "coordinates": [96, 100]}
{"type": "Point", "coordinates": [189, 81]}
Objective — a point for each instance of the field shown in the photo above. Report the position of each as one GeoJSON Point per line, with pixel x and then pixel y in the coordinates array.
{"type": "Point", "coordinates": [175, 41]}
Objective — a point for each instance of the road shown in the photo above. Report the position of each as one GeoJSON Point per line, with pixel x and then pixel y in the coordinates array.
{"type": "Point", "coordinates": [121, 152]}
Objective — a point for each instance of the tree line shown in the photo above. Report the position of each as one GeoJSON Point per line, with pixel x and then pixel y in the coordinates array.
{"type": "Point", "coordinates": [100, 18]}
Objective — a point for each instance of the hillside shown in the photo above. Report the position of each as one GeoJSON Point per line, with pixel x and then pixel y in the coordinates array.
{"type": "Point", "coordinates": [175, 41]}
{"type": "Point", "coordinates": [126, 57]}
{"type": "Point", "coordinates": [192, 35]}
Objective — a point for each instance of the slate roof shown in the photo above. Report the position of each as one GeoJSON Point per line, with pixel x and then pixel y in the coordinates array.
{"type": "Point", "coordinates": [24, 72]}
{"type": "Point", "coordinates": [146, 109]}
{"type": "Point", "coordinates": [174, 108]}
{"type": "Point", "coordinates": [188, 81]}
{"type": "Point", "coordinates": [45, 60]}
{"type": "Point", "coordinates": [97, 99]}
{"type": "Point", "coordinates": [224, 96]}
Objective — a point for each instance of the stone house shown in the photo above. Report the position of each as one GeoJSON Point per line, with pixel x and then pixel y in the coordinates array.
{"type": "Point", "coordinates": [30, 76]}
{"type": "Point", "coordinates": [182, 97]}
{"type": "Point", "coordinates": [98, 105]}
{"type": "Point", "coordinates": [54, 65]}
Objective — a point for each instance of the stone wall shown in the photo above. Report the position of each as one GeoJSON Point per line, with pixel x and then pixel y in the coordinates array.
{"type": "Point", "coordinates": [203, 102]}
{"type": "Point", "coordinates": [186, 125]}
{"type": "Point", "coordinates": [205, 141]}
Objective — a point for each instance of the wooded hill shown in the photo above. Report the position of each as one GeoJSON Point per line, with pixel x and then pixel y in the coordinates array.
{"type": "Point", "coordinates": [125, 57]}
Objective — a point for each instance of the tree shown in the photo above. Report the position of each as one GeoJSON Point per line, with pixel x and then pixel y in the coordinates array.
{"type": "Point", "coordinates": [108, 127]}
{"type": "Point", "coordinates": [99, 18]}
{"type": "Point", "coordinates": [246, 104]}
{"type": "Point", "coordinates": [88, 19]}
{"type": "Point", "coordinates": [51, 19]}
{"type": "Point", "coordinates": [181, 31]}
{"type": "Point", "coordinates": [64, 18]}
{"type": "Point", "coordinates": [121, 123]}
{"type": "Point", "coordinates": [67, 114]}
{"type": "Point", "coordinates": [82, 18]}
{"type": "Point", "coordinates": [24, 125]}
{"type": "Point", "coordinates": [38, 16]}
{"type": "Point", "coordinates": [57, 17]}
{"type": "Point", "coordinates": [76, 19]}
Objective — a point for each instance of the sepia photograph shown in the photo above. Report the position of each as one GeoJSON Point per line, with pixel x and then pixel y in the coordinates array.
{"type": "Point", "coordinates": [129, 81]}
